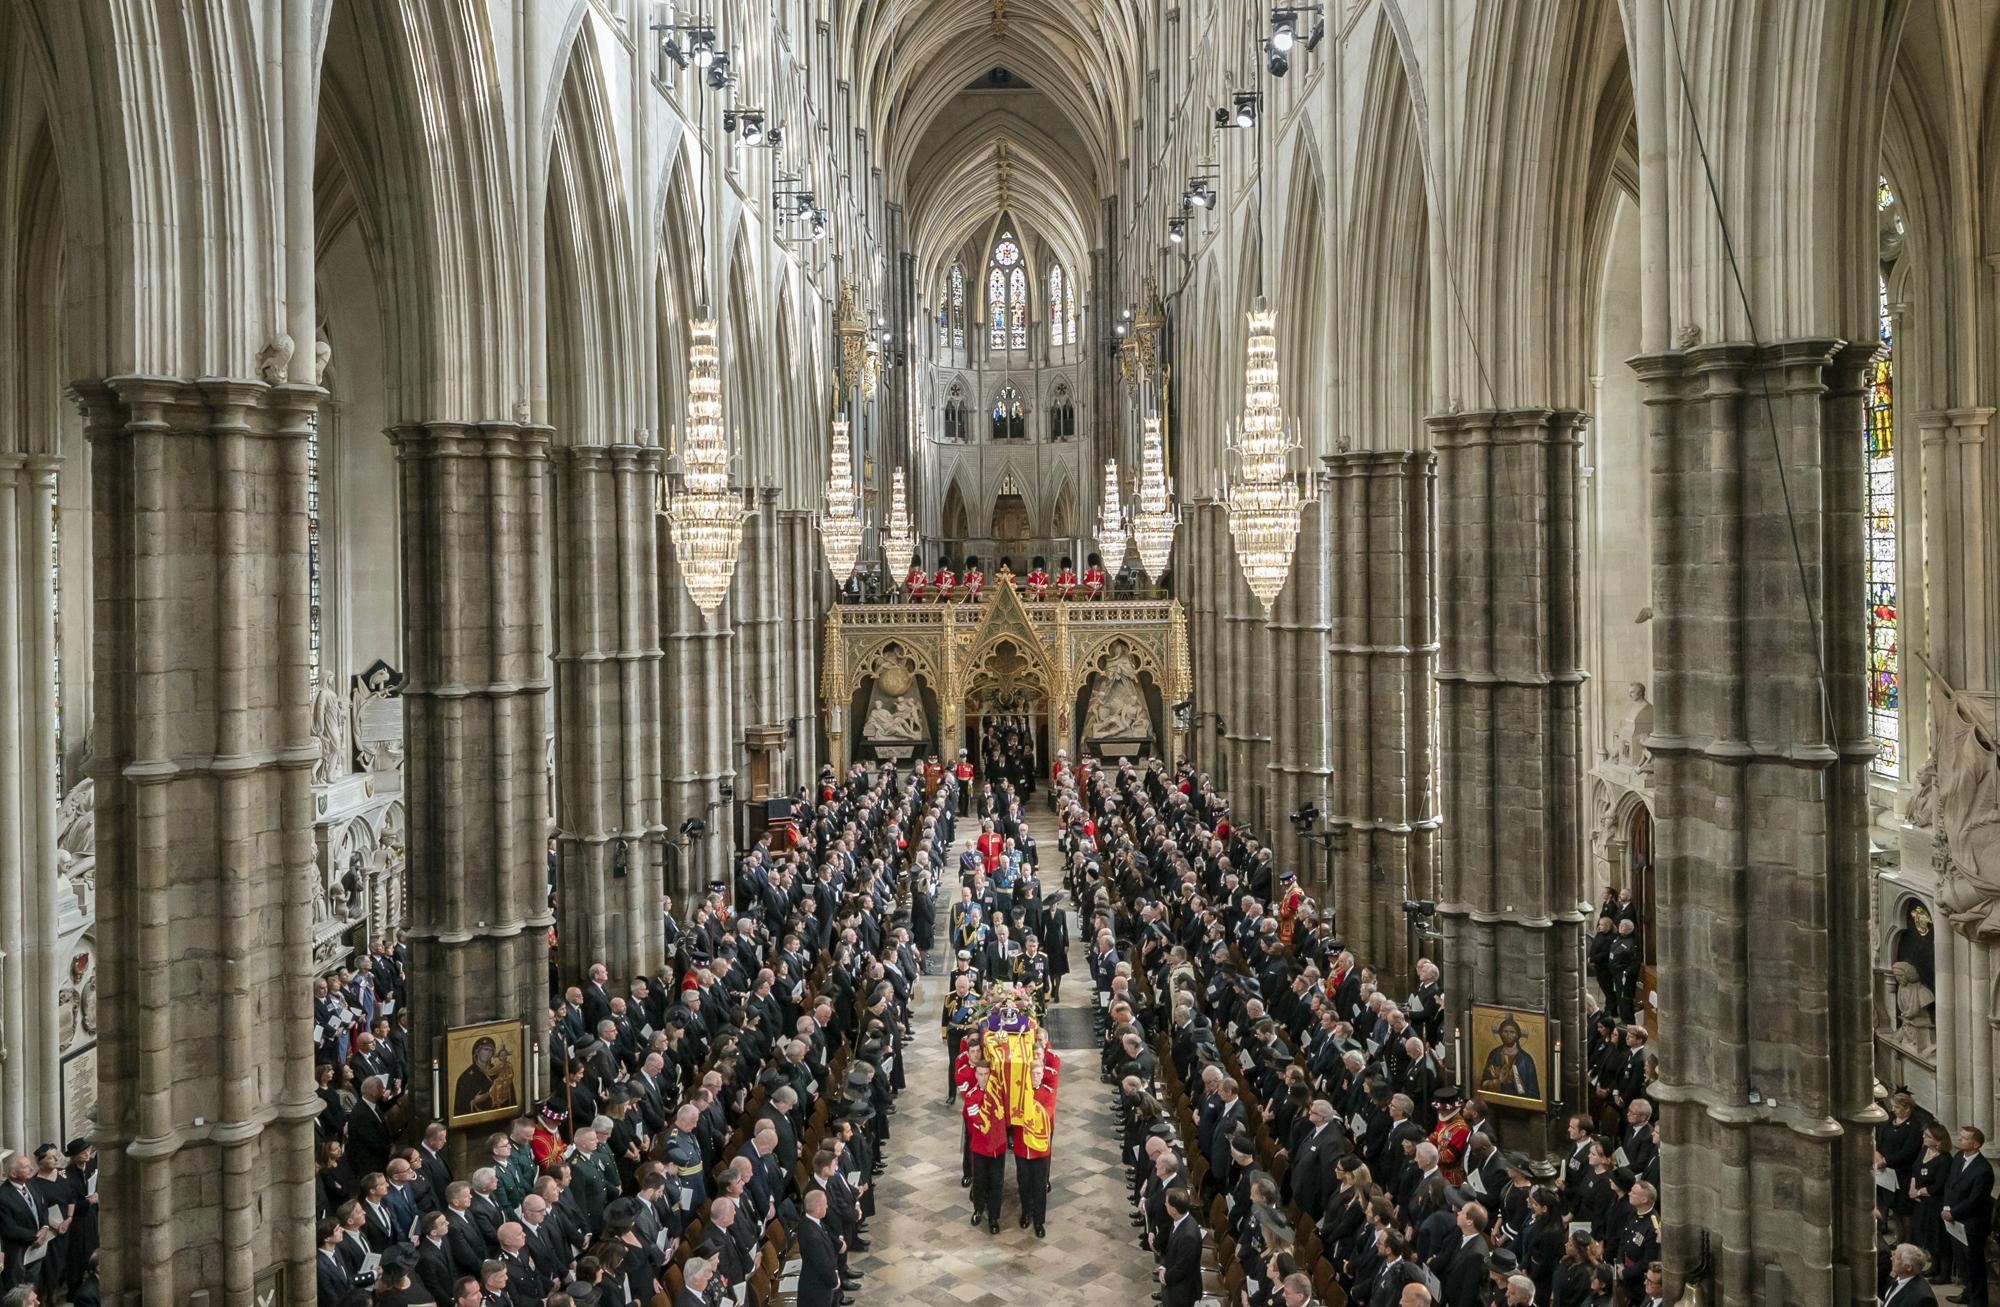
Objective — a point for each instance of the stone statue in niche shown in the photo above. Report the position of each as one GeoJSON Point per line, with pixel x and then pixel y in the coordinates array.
{"type": "Point", "coordinates": [1118, 705]}
{"type": "Point", "coordinates": [376, 704]}
{"type": "Point", "coordinates": [76, 1002]}
{"type": "Point", "coordinates": [1967, 809]}
{"type": "Point", "coordinates": [76, 842]}
{"type": "Point", "coordinates": [1628, 740]}
{"type": "Point", "coordinates": [1922, 809]}
{"type": "Point", "coordinates": [322, 355]}
{"type": "Point", "coordinates": [1916, 1009]}
{"type": "Point", "coordinates": [330, 731]}
{"type": "Point", "coordinates": [896, 712]}
{"type": "Point", "coordinates": [274, 361]}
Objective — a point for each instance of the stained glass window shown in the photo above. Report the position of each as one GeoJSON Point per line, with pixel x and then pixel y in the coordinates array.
{"type": "Point", "coordinates": [1056, 305]}
{"type": "Point", "coordinates": [1007, 253]}
{"type": "Point", "coordinates": [312, 552]}
{"type": "Point", "coordinates": [957, 307]}
{"type": "Point", "coordinates": [1017, 296]}
{"type": "Point", "coordinates": [1885, 681]}
{"type": "Point", "coordinates": [996, 308]}
{"type": "Point", "coordinates": [1069, 318]}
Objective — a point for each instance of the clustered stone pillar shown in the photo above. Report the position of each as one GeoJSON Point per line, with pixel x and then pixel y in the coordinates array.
{"type": "Point", "coordinates": [30, 969]}
{"type": "Point", "coordinates": [1200, 553]}
{"type": "Point", "coordinates": [1761, 750]}
{"type": "Point", "coordinates": [1383, 663]}
{"type": "Point", "coordinates": [801, 631]}
{"type": "Point", "coordinates": [698, 727]}
{"type": "Point", "coordinates": [476, 708]}
{"type": "Point", "coordinates": [1299, 767]}
{"type": "Point", "coordinates": [204, 753]}
{"type": "Point", "coordinates": [1509, 686]}
{"type": "Point", "coordinates": [610, 840]}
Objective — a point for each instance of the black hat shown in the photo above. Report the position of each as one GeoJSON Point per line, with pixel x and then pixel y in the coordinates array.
{"type": "Point", "coordinates": [622, 1209]}
{"type": "Point", "coordinates": [855, 1112]}
{"type": "Point", "coordinates": [77, 1146]}
{"type": "Point", "coordinates": [1501, 1261]}
{"type": "Point", "coordinates": [1515, 1160]}
{"type": "Point", "coordinates": [1040, 561]}
{"type": "Point", "coordinates": [399, 1260]}
{"type": "Point", "coordinates": [1448, 1094]}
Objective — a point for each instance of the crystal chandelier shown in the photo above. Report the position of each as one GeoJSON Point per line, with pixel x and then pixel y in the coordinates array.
{"type": "Point", "coordinates": [706, 516]}
{"type": "Point", "coordinates": [840, 520]}
{"type": "Point", "coordinates": [1264, 499]}
{"type": "Point", "coordinates": [1154, 518]}
{"type": "Point", "coordinates": [1111, 521]}
{"type": "Point", "coordinates": [899, 538]}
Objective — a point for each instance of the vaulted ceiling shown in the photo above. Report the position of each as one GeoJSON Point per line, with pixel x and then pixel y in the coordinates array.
{"type": "Point", "coordinates": [959, 145]}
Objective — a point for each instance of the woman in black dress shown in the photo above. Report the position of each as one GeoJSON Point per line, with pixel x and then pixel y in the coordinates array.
{"type": "Point", "coordinates": [1926, 1192]}
{"type": "Point", "coordinates": [1573, 1272]}
{"type": "Point", "coordinates": [60, 1197]}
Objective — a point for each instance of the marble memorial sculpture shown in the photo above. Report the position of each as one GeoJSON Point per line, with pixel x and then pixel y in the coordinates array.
{"type": "Point", "coordinates": [1118, 707]}
{"type": "Point", "coordinates": [1916, 1010]}
{"type": "Point", "coordinates": [1968, 810]}
{"type": "Point", "coordinates": [896, 714]}
{"type": "Point", "coordinates": [1628, 741]}
{"type": "Point", "coordinates": [330, 733]}
{"type": "Point", "coordinates": [376, 704]}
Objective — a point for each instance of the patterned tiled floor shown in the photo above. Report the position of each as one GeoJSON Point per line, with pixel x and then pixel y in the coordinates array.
{"type": "Point", "coordinates": [922, 1250]}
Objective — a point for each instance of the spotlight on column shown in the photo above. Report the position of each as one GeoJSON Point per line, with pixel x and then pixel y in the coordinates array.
{"type": "Point", "coordinates": [1246, 108]}
{"type": "Point", "coordinates": [1176, 230]}
{"type": "Point", "coordinates": [1284, 29]}
{"type": "Point", "coordinates": [701, 44]}
{"type": "Point", "coordinates": [718, 71]}
{"type": "Point", "coordinates": [672, 50]}
{"type": "Point", "coordinates": [693, 828]}
{"type": "Point", "coordinates": [1276, 61]}
{"type": "Point", "coordinates": [1305, 817]}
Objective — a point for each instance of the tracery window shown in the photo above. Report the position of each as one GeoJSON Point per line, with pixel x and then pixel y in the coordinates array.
{"type": "Point", "coordinates": [1056, 318]}
{"type": "Point", "coordinates": [1069, 319]}
{"type": "Point", "coordinates": [996, 308]}
{"type": "Point", "coordinates": [1007, 295]}
{"type": "Point", "coordinates": [1017, 298]}
{"type": "Point", "coordinates": [1010, 416]}
{"type": "Point", "coordinates": [957, 307]}
{"type": "Point", "coordinates": [1885, 678]}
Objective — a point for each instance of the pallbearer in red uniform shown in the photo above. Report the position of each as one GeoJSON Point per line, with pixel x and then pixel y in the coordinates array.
{"type": "Point", "coordinates": [963, 771]}
{"type": "Point", "coordinates": [1033, 1132]}
{"type": "Point", "coordinates": [986, 1130]}
{"type": "Point", "coordinates": [944, 582]}
{"type": "Point", "coordinates": [1093, 578]}
{"type": "Point", "coordinates": [1065, 584]}
{"type": "Point", "coordinates": [1290, 896]}
{"type": "Point", "coordinates": [1452, 1132]}
{"type": "Point", "coordinates": [1038, 579]}
{"type": "Point", "coordinates": [913, 584]}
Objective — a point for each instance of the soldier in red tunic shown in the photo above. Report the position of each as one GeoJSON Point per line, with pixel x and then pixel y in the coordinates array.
{"type": "Point", "coordinates": [944, 582]}
{"type": "Point", "coordinates": [913, 584]}
{"type": "Point", "coordinates": [1038, 579]}
{"type": "Point", "coordinates": [973, 581]}
{"type": "Point", "coordinates": [986, 1130]}
{"type": "Point", "coordinates": [1093, 578]}
{"type": "Point", "coordinates": [1066, 580]}
{"type": "Point", "coordinates": [1452, 1132]}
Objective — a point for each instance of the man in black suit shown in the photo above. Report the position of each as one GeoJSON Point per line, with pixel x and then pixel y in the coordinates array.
{"type": "Point", "coordinates": [1968, 1201]}
{"type": "Point", "coordinates": [1312, 1169]}
{"type": "Point", "coordinates": [1180, 1271]}
{"type": "Point", "coordinates": [368, 1133]}
{"type": "Point", "coordinates": [334, 1280]}
{"type": "Point", "coordinates": [1907, 1286]}
{"type": "Point", "coordinates": [819, 1256]}
{"type": "Point", "coordinates": [1463, 1269]}
{"type": "Point", "coordinates": [596, 997]}
{"type": "Point", "coordinates": [434, 1268]}
{"type": "Point", "coordinates": [464, 1245]}
{"type": "Point", "coordinates": [699, 1276]}
{"type": "Point", "coordinates": [23, 1225]}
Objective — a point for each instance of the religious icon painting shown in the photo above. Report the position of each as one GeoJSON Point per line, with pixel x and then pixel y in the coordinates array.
{"type": "Point", "coordinates": [1510, 1056]}
{"type": "Point", "coordinates": [485, 1069]}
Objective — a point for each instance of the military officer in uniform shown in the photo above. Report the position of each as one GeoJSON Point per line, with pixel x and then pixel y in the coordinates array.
{"type": "Point", "coordinates": [687, 1187]}
{"type": "Point", "coordinates": [1031, 970]}
{"type": "Point", "coordinates": [957, 1021]}
{"type": "Point", "coordinates": [1639, 1246]}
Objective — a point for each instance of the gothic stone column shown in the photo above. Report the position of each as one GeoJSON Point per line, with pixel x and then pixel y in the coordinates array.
{"type": "Point", "coordinates": [476, 706]}
{"type": "Point", "coordinates": [1299, 723]}
{"type": "Point", "coordinates": [1384, 661]}
{"type": "Point", "coordinates": [608, 710]}
{"type": "Point", "coordinates": [698, 725]}
{"type": "Point", "coordinates": [204, 837]}
{"type": "Point", "coordinates": [1508, 690]}
{"type": "Point", "coordinates": [31, 971]}
{"type": "Point", "coordinates": [1761, 776]}
{"type": "Point", "coordinates": [801, 613]}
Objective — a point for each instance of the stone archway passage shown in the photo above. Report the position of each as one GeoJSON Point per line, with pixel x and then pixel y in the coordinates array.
{"type": "Point", "coordinates": [924, 1254]}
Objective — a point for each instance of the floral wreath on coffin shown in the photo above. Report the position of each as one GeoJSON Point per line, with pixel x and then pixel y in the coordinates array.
{"type": "Point", "coordinates": [1003, 1005]}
